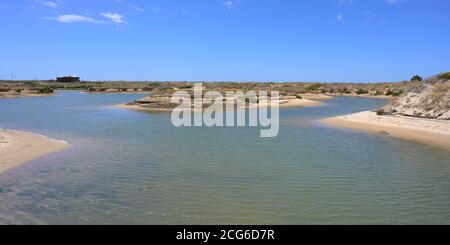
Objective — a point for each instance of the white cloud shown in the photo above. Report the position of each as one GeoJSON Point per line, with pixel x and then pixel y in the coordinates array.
{"type": "Point", "coordinates": [49, 4]}
{"type": "Point", "coordinates": [228, 4]}
{"type": "Point", "coordinates": [136, 8]}
{"type": "Point", "coordinates": [346, 1]}
{"type": "Point", "coordinates": [184, 11]}
{"type": "Point", "coordinates": [114, 17]}
{"type": "Point", "coordinates": [392, 1]}
{"type": "Point", "coordinates": [73, 18]}
{"type": "Point", "coordinates": [340, 17]}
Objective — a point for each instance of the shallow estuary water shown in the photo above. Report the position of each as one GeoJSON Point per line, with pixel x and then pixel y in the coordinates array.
{"type": "Point", "coordinates": [127, 167]}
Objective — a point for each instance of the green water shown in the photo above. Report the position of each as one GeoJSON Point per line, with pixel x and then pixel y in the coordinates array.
{"type": "Point", "coordinates": [126, 167]}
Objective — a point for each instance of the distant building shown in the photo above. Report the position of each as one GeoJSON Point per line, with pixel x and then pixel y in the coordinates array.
{"type": "Point", "coordinates": [68, 79]}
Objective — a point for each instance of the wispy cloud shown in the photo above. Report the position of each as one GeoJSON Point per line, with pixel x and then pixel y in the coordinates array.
{"type": "Point", "coordinates": [114, 17]}
{"type": "Point", "coordinates": [340, 17]}
{"type": "Point", "coordinates": [73, 18]}
{"type": "Point", "coordinates": [228, 4]}
{"type": "Point", "coordinates": [392, 1]}
{"type": "Point", "coordinates": [49, 4]}
{"type": "Point", "coordinates": [346, 1]}
{"type": "Point", "coordinates": [184, 11]}
{"type": "Point", "coordinates": [76, 18]}
{"type": "Point", "coordinates": [135, 7]}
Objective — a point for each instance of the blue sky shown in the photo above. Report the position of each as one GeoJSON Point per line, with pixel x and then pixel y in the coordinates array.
{"type": "Point", "coordinates": [225, 40]}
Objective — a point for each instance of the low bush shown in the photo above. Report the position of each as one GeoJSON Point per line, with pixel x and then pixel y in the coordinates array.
{"type": "Point", "coordinates": [45, 90]}
{"type": "Point", "coordinates": [185, 87]}
{"type": "Point", "coordinates": [397, 93]}
{"type": "Point", "coordinates": [416, 78]}
{"type": "Point", "coordinates": [30, 84]}
{"type": "Point", "coordinates": [361, 91]}
{"type": "Point", "coordinates": [380, 112]}
{"type": "Point", "coordinates": [314, 87]}
{"type": "Point", "coordinates": [445, 75]}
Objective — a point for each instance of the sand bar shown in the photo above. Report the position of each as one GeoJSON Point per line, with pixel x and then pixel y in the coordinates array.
{"type": "Point", "coordinates": [288, 103]}
{"type": "Point", "coordinates": [18, 147]}
{"type": "Point", "coordinates": [429, 131]}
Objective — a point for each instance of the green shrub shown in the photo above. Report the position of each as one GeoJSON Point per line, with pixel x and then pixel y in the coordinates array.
{"type": "Point", "coordinates": [344, 91]}
{"type": "Point", "coordinates": [185, 87]}
{"type": "Point", "coordinates": [416, 78]}
{"type": "Point", "coordinates": [45, 90]}
{"type": "Point", "coordinates": [380, 112]}
{"type": "Point", "coordinates": [397, 93]}
{"type": "Point", "coordinates": [361, 91]}
{"type": "Point", "coordinates": [314, 87]}
{"type": "Point", "coordinates": [30, 84]}
{"type": "Point", "coordinates": [299, 96]}
{"type": "Point", "coordinates": [445, 75]}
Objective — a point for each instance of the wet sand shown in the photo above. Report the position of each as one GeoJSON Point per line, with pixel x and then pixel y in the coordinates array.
{"type": "Point", "coordinates": [18, 147]}
{"type": "Point", "coordinates": [429, 131]}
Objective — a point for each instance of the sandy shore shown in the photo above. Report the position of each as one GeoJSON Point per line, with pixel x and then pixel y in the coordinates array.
{"type": "Point", "coordinates": [289, 103]}
{"type": "Point", "coordinates": [17, 147]}
{"type": "Point", "coordinates": [311, 96]}
{"type": "Point", "coordinates": [384, 97]}
{"type": "Point", "coordinates": [10, 95]}
{"type": "Point", "coordinates": [299, 103]}
{"type": "Point", "coordinates": [136, 107]}
{"type": "Point", "coordinates": [434, 132]}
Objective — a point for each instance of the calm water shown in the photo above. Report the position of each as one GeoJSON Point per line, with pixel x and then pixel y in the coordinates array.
{"type": "Point", "coordinates": [126, 167]}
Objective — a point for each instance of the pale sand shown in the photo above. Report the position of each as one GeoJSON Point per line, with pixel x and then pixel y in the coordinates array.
{"type": "Point", "coordinates": [311, 96]}
{"type": "Point", "coordinates": [384, 97]}
{"type": "Point", "coordinates": [300, 103]}
{"type": "Point", "coordinates": [140, 108]}
{"type": "Point", "coordinates": [429, 131]}
{"type": "Point", "coordinates": [17, 147]}
{"type": "Point", "coordinates": [289, 103]}
{"type": "Point", "coordinates": [9, 95]}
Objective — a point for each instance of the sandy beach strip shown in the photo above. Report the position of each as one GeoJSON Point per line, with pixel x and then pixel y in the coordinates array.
{"type": "Point", "coordinates": [136, 107]}
{"type": "Point", "coordinates": [429, 131]}
{"type": "Point", "coordinates": [288, 103]}
{"type": "Point", "coordinates": [18, 147]}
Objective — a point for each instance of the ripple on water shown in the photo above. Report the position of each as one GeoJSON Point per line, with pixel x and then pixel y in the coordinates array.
{"type": "Point", "coordinates": [125, 167]}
